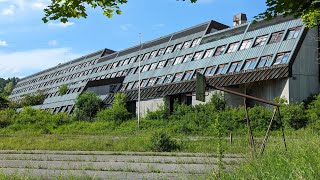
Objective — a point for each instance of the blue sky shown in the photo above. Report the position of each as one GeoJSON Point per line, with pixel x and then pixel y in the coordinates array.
{"type": "Point", "coordinates": [27, 45]}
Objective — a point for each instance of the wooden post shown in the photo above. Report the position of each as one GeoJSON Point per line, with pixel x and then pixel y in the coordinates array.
{"type": "Point", "coordinates": [251, 140]}
{"type": "Point", "coordinates": [231, 140]}
{"type": "Point", "coordinates": [284, 138]}
{"type": "Point", "coordinates": [263, 145]}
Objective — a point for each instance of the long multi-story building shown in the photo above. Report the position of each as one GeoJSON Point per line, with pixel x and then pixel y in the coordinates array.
{"type": "Point", "coordinates": [266, 59]}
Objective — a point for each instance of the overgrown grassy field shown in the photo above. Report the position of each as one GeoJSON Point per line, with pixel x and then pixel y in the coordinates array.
{"type": "Point", "coordinates": [187, 129]}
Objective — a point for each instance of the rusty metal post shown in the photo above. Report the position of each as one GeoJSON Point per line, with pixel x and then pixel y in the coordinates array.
{"type": "Point", "coordinates": [284, 138]}
{"type": "Point", "coordinates": [251, 140]}
{"type": "Point", "coordinates": [263, 145]}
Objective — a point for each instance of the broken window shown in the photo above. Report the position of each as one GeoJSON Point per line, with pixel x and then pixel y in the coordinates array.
{"type": "Point", "coordinates": [186, 45]}
{"type": "Point", "coordinates": [169, 49]}
{"type": "Point", "coordinates": [152, 81]}
{"type": "Point", "coordinates": [208, 53]}
{"type": "Point", "coordinates": [220, 50]}
{"type": "Point", "coordinates": [276, 37]}
{"type": "Point", "coordinates": [260, 41]}
{"type": "Point", "coordinates": [178, 77]}
{"type": "Point", "coordinates": [153, 54]}
{"type": "Point", "coordinates": [178, 60]}
{"type": "Point", "coordinates": [233, 47]}
{"type": "Point", "coordinates": [246, 44]}
{"type": "Point", "coordinates": [187, 76]}
{"type": "Point", "coordinates": [161, 52]}
{"type": "Point", "coordinates": [210, 71]}
{"type": "Point", "coordinates": [293, 33]}
{"type": "Point", "coordinates": [168, 79]}
{"type": "Point", "coordinates": [222, 69]}
{"type": "Point", "coordinates": [161, 64]}
{"type": "Point", "coordinates": [282, 58]}
{"type": "Point", "coordinates": [177, 47]}
{"type": "Point", "coordinates": [170, 62]}
{"type": "Point", "coordinates": [198, 55]}
{"type": "Point", "coordinates": [235, 67]}
{"type": "Point", "coordinates": [265, 61]}
{"type": "Point", "coordinates": [145, 68]}
{"type": "Point", "coordinates": [196, 42]}
{"type": "Point", "coordinates": [187, 58]}
{"type": "Point", "coordinates": [250, 64]}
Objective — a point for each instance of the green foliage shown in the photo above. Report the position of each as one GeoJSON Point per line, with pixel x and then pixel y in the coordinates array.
{"type": "Point", "coordinates": [32, 100]}
{"type": "Point", "coordinates": [117, 113]}
{"type": "Point", "coordinates": [309, 11]}
{"type": "Point", "coordinates": [63, 89]}
{"type": "Point", "coordinates": [64, 10]}
{"type": "Point", "coordinates": [6, 117]}
{"type": "Point", "coordinates": [218, 102]}
{"type": "Point", "coordinates": [4, 103]}
{"type": "Point", "coordinates": [87, 105]}
{"type": "Point", "coordinates": [260, 118]}
{"type": "Point", "coordinates": [313, 113]}
{"type": "Point", "coordinates": [294, 116]}
{"type": "Point", "coordinates": [162, 142]}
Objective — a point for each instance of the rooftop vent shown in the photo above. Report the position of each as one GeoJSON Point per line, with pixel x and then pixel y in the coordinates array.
{"type": "Point", "coordinates": [239, 19]}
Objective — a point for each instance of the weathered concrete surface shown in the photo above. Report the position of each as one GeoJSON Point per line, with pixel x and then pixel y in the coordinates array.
{"type": "Point", "coordinates": [111, 165]}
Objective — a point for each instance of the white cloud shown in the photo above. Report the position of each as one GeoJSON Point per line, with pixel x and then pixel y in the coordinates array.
{"type": "Point", "coordinates": [60, 24]}
{"type": "Point", "coordinates": [126, 27]}
{"type": "Point", "coordinates": [3, 43]}
{"type": "Point", "coordinates": [53, 43]}
{"type": "Point", "coordinates": [24, 63]}
{"type": "Point", "coordinates": [9, 11]}
{"type": "Point", "coordinates": [38, 5]}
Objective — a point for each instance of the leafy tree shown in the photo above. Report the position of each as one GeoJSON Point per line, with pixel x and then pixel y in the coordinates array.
{"type": "Point", "coordinates": [8, 88]}
{"type": "Point", "coordinates": [33, 100]}
{"type": "Point", "coordinates": [64, 10]}
{"type": "Point", "coordinates": [308, 10]}
{"type": "Point", "coordinates": [117, 113]}
{"type": "Point", "coordinates": [63, 90]}
{"type": "Point", "coordinates": [4, 103]}
{"type": "Point", "coordinates": [87, 105]}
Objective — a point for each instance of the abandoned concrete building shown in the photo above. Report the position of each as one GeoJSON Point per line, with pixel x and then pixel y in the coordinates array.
{"type": "Point", "coordinates": [265, 59]}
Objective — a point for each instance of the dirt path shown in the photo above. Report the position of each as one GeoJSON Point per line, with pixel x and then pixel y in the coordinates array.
{"type": "Point", "coordinates": [111, 165]}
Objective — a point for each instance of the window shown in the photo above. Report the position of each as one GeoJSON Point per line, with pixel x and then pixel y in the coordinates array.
{"type": "Point", "coordinates": [208, 53]}
{"type": "Point", "coordinates": [133, 59]}
{"type": "Point", "coordinates": [144, 82]}
{"type": "Point", "coordinates": [220, 50]}
{"type": "Point", "coordinates": [235, 67]}
{"type": "Point", "coordinates": [177, 47]}
{"type": "Point", "coordinates": [153, 66]}
{"type": "Point", "coordinates": [293, 33]}
{"type": "Point", "coordinates": [161, 51]}
{"type": "Point", "coordinates": [265, 61]}
{"type": "Point", "coordinates": [145, 68]}
{"type": "Point", "coordinates": [153, 54]}
{"type": "Point", "coordinates": [187, 58]}
{"type": "Point", "coordinates": [250, 64]}
{"type": "Point", "coordinates": [178, 60]}
{"type": "Point", "coordinates": [160, 80]}
{"type": "Point", "coordinates": [114, 65]}
{"type": "Point", "coordinates": [168, 79]}
{"type": "Point", "coordinates": [260, 41]}
{"type": "Point", "coordinates": [113, 75]}
{"type": "Point", "coordinates": [135, 85]}
{"type": "Point", "coordinates": [187, 75]}
{"type": "Point", "coordinates": [276, 37]}
{"type": "Point", "coordinates": [139, 58]}
{"type": "Point", "coordinates": [200, 70]}
{"type": "Point", "coordinates": [170, 62]}
{"type": "Point", "coordinates": [210, 71]}
{"type": "Point", "coordinates": [233, 47]}
{"type": "Point", "coordinates": [120, 63]}
{"type": "Point", "coordinates": [146, 56]}
{"type": "Point", "coordinates": [130, 85]}
{"type": "Point", "coordinates": [196, 42]}
{"type": "Point", "coordinates": [245, 44]}
{"type": "Point", "coordinates": [161, 64]}
{"type": "Point", "coordinates": [152, 81]}
{"type": "Point", "coordinates": [169, 49]}
{"type": "Point", "coordinates": [221, 69]}
{"type": "Point", "coordinates": [186, 45]}
{"type": "Point", "coordinates": [126, 61]}
{"type": "Point", "coordinates": [198, 55]}
{"type": "Point", "coordinates": [178, 77]}
{"type": "Point", "coordinates": [282, 58]}
{"type": "Point", "coordinates": [132, 70]}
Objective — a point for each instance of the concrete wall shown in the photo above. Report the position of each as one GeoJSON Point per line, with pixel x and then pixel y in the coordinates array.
{"type": "Point", "coordinates": [305, 69]}
{"type": "Point", "coordinates": [149, 105]}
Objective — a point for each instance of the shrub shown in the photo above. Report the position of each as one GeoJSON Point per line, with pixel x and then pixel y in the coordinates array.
{"type": "Point", "coordinates": [162, 142]}
{"type": "Point", "coordinates": [6, 117]}
{"type": "Point", "coordinates": [4, 103]}
{"type": "Point", "coordinates": [87, 105]}
{"type": "Point", "coordinates": [63, 90]}
{"type": "Point", "coordinates": [313, 112]}
{"type": "Point", "coordinates": [32, 100]}
{"type": "Point", "coordinates": [260, 118]}
{"type": "Point", "coordinates": [117, 113]}
{"type": "Point", "coordinates": [218, 101]}
{"type": "Point", "coordinates": [294, 116]}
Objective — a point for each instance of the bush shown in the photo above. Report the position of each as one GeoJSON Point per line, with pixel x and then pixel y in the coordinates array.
{"type": "Point", "coordinates": [313, 113]}
{"type": "Point", "coordinates": [63, 90]}
{"type": "Point", "coordinates": [260, 118]}
{"type": "Point", "coordinates": [32, 100]}
{"type": "Point", "coordinates": [6, 117]}
{"type": "Point", "coordinates": [218, 101]}
{"type": "Point", "coordinates": [87, 105]}
{"type": "Point", "coordinates": [117, 113]}
{"type": "Point", "coordinates": [162, 142]}
{"type": "Point", "coordinates": [294, 116]}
